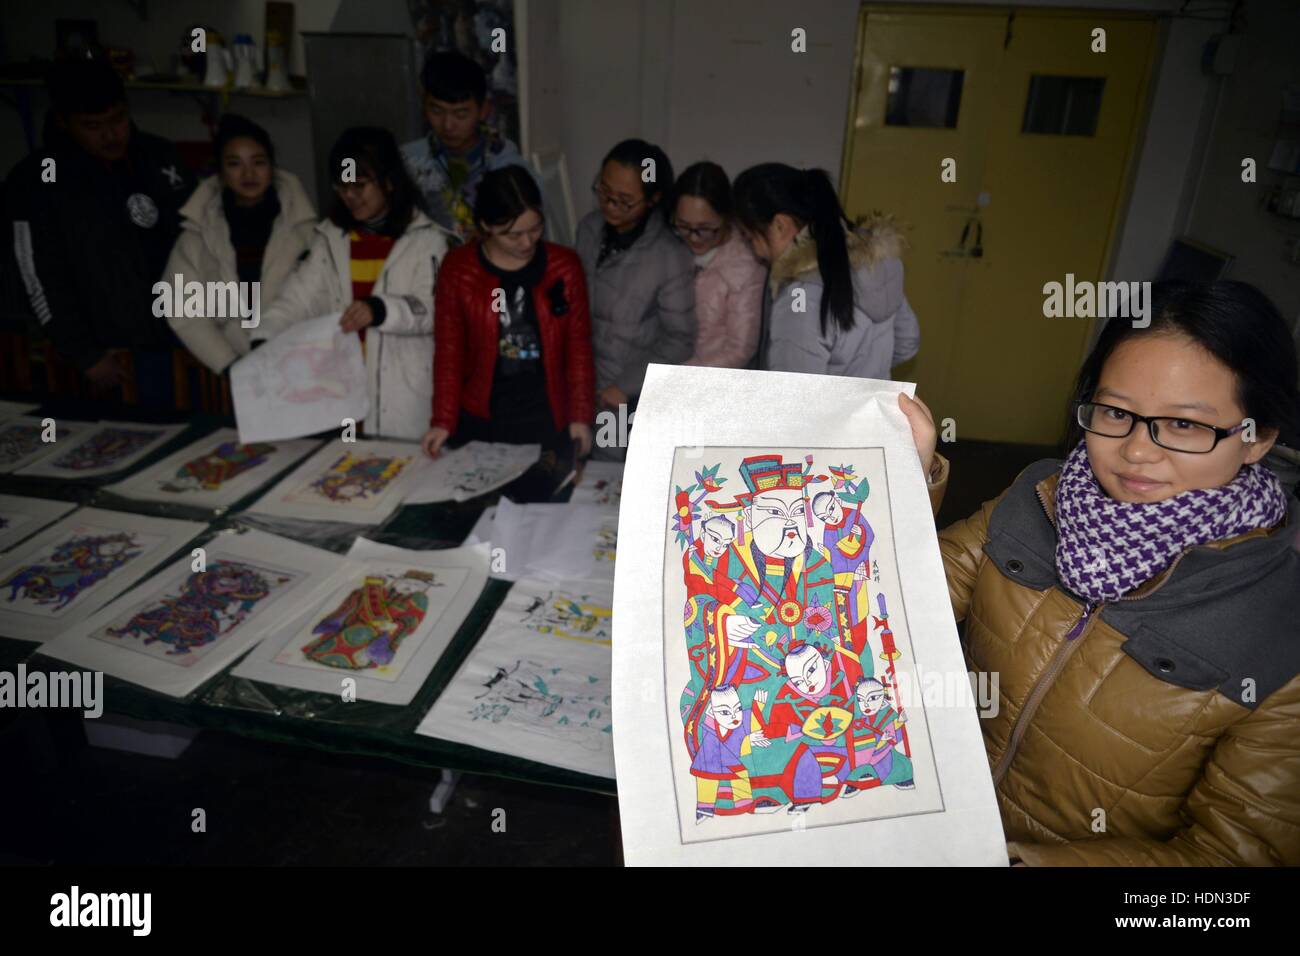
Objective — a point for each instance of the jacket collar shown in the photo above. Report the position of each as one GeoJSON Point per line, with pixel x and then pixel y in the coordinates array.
{"type": "Point", "coordinates": [203, 208]}
{"type": "Point", "coordinates": [877, 237]}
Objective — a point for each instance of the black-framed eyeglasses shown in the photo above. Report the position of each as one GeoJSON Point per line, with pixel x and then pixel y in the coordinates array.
{"type": "Point", "coordinates": [605, 196]}
{"type": "Point", "coordinates": [702, 233]}
{"type": "Point", "coordinates": [1176, 434]}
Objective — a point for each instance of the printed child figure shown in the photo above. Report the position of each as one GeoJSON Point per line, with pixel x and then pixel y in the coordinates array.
{"type": "Point", "coordinates": [209, 472]}
{"type": "Point", "coordinates": [366, 630]}
{"type": "Point", "coordinates": [210, 604]}
{"type": "Point", "coordinates": [706, 564]}
{"type": "Point", "coordinates": [847, 537]}
{"type": "Point", "coordinates": [813, 711]}
{"type": "Point", "coordinates": [721, 777]}
{"type": "Point", "coordinates": [75, 565]}
{"type": "Point", "coordinates": [876, 732]}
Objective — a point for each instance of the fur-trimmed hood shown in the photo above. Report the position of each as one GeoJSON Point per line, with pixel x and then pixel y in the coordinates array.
{"type": "Point", "coordinates": [873, 239]}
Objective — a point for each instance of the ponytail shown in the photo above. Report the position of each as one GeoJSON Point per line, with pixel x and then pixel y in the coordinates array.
{"type": "Point", "coordinates": [808, 197]}
{"type": "Point", "coordinates": [827, 224]}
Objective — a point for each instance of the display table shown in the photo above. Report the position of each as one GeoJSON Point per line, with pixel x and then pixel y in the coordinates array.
{"type": "Point", "coordinates": [273, 713]}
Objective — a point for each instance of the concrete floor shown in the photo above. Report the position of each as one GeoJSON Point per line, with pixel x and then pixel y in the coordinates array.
{"type": "Point", "coordinates": [269, 804]}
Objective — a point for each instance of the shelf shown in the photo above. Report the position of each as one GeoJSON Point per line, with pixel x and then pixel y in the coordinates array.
{"type": "Point", "coordinates": [184, 87]}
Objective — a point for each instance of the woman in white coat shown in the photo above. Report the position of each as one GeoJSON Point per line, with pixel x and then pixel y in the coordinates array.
{"type": "Point", "coordinates": [248, 223]}
{"type": "Point", "coordinates": [374, 260]}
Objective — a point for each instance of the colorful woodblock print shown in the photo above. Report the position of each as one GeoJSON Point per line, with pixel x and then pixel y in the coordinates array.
{"type": "Point", "coordinates": [105, 448]}
{"type": "Point", "coordinates": [354, 479]}
{"type": "Point", "coordinates": [206, 606]}
{"type": "Point", "coordinates": [56, 578]}
{"type": "Point", "coordinates": [367, 628]}
{"type": "Point", "coordinates": [786, 708]}
{"type": "Point", "coordinates": [223, 463]}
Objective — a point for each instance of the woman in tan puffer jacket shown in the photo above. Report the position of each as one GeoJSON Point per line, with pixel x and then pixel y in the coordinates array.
{"type": "Point", "coordinates": [1138, 603]}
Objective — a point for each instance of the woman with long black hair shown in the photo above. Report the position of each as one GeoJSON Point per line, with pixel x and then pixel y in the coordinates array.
{"type": "Point", "coordinates": [1136, 601]}
{"type": "Point", "coordinates": [373, 260]}
{"type": "Point", "coordinates": [835, 303]}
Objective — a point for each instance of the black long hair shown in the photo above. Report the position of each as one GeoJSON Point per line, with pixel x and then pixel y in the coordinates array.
{"type": "Point", "coordinates": [709, 182]}
{"type": "Point", "coordinates": [632, 153]}
{"type": "Point", "coordinates": [807, 197]}
{"type": "Point", "coordinates": [376, 154]}
{"type": "Point", "coordinates": [232, 127]}
{"type": "Point", "coordinates": [1234, 322]}
{"type": "Point", "coordinates": [505, 194]}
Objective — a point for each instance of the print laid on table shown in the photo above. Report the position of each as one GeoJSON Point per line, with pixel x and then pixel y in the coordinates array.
{"type": "Point", "coordinates": [473, 469]}
{"type": "Point", "coordinates": [104, 448]}
{"type": "Point", "coordinates": [360, 482]}
{"type": "Point", "coordinates": [307, 379]}
{"type": "Point", "coordinates": [20, 518]}
{"type": "Point", "coordinates": [22, 440]}
{"type": "Point", "coordinates": [556, 541]}
{"type": "Point", "coordinates": [572, 610]}
{"type": "Point", "coordinates": [779, 600]}
{"type": "Point", "coordinates": [78, 564]}
{"type": "Point", "coordinates": [10, 410]}
{"type": "Point", "coordinates": [214, 472]}
{"type": "Point", "coordinates": [537, 685]}
{"type": "Point", "coordinates": [601, 484]}
{"type": "Point", "coordinates": [383, 620]}
{"type": "Point", "coordinates": [185, 625]}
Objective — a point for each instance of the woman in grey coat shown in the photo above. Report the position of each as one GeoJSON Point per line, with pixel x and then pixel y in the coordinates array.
{"type": "Point", "coordinates": [640, 277]}
{"type": "Point", "coordinates": [835, 303]}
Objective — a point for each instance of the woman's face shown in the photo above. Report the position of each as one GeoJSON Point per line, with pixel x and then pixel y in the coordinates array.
{"type": "Point", "coordinates": [516, 241]}
{"type": "Point", "coordinates": [698, 224]}
{"type": "Point", "coordinates": [1169, 375]}
{"type": "Point", "coordinates": [365, 198]}
{"type": "Point", "coordinates": [770, 243]}
{"type": "Point", "coordinates": [246, 170]}
{"type": "Point", "coordinates": [621, 195]}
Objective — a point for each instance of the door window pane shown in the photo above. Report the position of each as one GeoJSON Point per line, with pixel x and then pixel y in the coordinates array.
{"type": "Point", "coordinates": [1063, 105]}
{"type": "Point", "coordinates": [920, 96]}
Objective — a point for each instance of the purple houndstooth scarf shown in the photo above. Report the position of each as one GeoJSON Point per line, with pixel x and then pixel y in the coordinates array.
{"type": "Point", "coordinates": [1107, 548]}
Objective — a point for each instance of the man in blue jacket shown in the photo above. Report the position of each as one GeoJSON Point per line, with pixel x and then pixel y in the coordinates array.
{"type": "Point", "coordinates": [448, 163]}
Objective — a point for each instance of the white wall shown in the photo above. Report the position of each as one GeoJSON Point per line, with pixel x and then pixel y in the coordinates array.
{"type": "Point", "coordinates": [713, 80]}
{"type": "Point", "coordinates": [29, 34]}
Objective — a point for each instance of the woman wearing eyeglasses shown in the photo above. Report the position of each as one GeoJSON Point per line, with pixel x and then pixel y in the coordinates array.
{"type": "Point", "coordinates": [373, 260]}
{"type": "Point", "coordinates": [1137, 601]}
{"type": "Point", "coordinates": [728, 279]}
{"type": "Point", "coordinates": [639, 277]}
{"type": "Point", "coordinates": [513, 338]}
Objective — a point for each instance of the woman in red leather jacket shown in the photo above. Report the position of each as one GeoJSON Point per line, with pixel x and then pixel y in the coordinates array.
{"type": "Point", "coordinates": [512, 335]}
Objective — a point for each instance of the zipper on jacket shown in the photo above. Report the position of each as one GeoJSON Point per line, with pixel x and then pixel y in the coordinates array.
{"type": "Point", "coordinates": [1041, 687]}
{"type": "Point", "coordinates": [1073, 638]}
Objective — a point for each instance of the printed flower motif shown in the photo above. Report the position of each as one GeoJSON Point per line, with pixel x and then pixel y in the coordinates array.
{"type": "Point", "coordinates": [817, 617]}
{"type": "Point", "coordinates": [790, 612]}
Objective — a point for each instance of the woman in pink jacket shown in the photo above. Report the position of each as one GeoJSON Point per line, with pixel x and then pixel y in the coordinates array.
{"type": "Point", "coordinates": [728, 279]}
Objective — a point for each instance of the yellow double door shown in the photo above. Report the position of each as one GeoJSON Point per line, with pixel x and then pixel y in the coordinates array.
{"type": "Point", "coordinates": [1003, 139]}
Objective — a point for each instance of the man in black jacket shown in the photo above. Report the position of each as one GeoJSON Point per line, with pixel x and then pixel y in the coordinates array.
{"type": "Point", "coordinates": [94, 217]}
